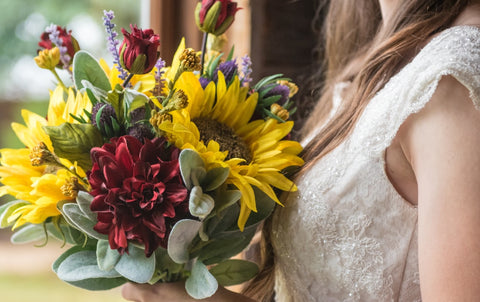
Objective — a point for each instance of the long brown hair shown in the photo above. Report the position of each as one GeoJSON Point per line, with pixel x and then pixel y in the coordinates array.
{"type": "Point", "coordinates": [360, 49]}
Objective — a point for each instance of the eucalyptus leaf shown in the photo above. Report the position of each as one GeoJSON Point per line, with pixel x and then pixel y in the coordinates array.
{"type": "Point", "coordinates": [199, 204]}
{"type": "Point", "coordinates": [81, 221]}
{"type": "Point", "coordinates": [201, 284]}
{"type": "Point", "coordinates": [180, 239]}
{"type": "Point", "coordinates": [82, 265]}
{"type": "Point", "coordinates": [74, 142]}
{"type": "Point", "coordinates": [135, 266]}
{"type": "Point", "coordinates": [189, 160]}
{"type": "Point", "coordinates": [234, 271]}
{"type": "Point", "coordinates": [106, 257]}
{"type": "Point", "coordinates": [86, 67]}
{"type": "Point", "coordinates": [7, 210]}
{"type": "Point", "coordinates": [28, 233]}
{"type": "Point", "coordinates": [84, 200]}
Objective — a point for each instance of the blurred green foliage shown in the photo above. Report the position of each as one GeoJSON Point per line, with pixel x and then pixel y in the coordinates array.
{"type": "Point", "coordinates": [13, 13]}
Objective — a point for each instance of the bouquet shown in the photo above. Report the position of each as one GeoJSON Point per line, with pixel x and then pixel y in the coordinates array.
{"type": "Point", "coordinates": [151, 173]}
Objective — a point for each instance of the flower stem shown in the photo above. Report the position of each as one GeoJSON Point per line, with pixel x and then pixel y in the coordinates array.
{"type": "Point", "coordinates": [204, 46]}
{"type": "Point", "coordinates": [130, 76]}
{"type": "Point", "coordinates": [58, 79]}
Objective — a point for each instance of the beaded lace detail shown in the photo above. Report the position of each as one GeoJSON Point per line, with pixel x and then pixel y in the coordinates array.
{"type": "Point", "coordinates": [347, 235]}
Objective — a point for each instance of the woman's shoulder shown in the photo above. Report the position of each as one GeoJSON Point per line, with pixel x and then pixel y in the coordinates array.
{"type": "Point", "coordinates": [455, 45]}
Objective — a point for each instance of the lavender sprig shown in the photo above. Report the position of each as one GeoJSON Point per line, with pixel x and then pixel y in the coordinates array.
{"type": "Point", "coordinates": [54, 36]}
{"type": "Point", "coordinates": [113, 42]}
{"type": "Point", "coordinates": [159, 72]}
{"type": "Point", "coordinates": [246, 70]}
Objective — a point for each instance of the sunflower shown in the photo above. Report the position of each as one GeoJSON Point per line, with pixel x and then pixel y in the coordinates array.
{"type": "Point", "coordinates": [216, 124]}
{"type": "Point", "coordinates": [43, 186]}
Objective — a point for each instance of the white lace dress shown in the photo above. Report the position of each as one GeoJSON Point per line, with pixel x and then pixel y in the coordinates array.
{"type": "Point", "coordinates": [347, 235]}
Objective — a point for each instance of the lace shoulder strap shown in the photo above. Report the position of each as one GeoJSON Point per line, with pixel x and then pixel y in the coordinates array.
{"type": "Point", "coordinates": [455, 52]}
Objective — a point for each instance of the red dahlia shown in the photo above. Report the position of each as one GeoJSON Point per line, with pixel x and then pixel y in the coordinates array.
{"type": "Point", "coordinates": [138, 192]}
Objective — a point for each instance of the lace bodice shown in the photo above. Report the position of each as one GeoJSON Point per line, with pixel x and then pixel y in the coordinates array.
{"type": "Point", "coordinates": [347, 235]}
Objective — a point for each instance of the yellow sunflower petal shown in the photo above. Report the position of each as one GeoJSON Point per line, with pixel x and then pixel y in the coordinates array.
{"type": "Point", "coordinates": [248, 196]}
{"type": "Point", "coordinates": [277, 180]}
{"type": "Point", "coordinates": [243, 216]}
{"type": "Point", "coordinates": [265, 188]}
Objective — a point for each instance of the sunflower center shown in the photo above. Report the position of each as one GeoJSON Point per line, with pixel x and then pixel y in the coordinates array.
{"type": "Point", "coordinates": [224, 136]}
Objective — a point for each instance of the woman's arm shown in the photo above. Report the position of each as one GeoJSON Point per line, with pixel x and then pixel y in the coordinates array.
{"type": "Point", "coordinates": [174, 292]}
{"type": "Point", "coordinates": [443, 146]}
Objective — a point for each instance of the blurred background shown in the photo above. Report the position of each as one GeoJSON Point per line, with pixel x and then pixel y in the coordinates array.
{"type": "Point", "coordinates": [278, 34]}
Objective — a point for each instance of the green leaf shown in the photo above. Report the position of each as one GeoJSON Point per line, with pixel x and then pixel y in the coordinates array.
{"type": "Point", "coordinates": [94, 93]}
{"type": "Point", "coordinates": [98, 284]}
{"type": "Point", "coordinates": [74, 141]}
{"type": "Point", "coordinates": [135, 266]}
{"type": "Point", "coordinates": [106, 257]}
{"type": "Point", "coordinates": [115, 98]}
{"type": "Point", "coordinates": [82, 265]}
{"type": "Point", "coordinates": [226, 198]}
{"type": "Point", "coordinates": [73, 214]}
{"type": "Point", "coordinates": [221, 249]}
{"type": "Point", "coordinates": [70, 234]}
{"type": "Point", "coordinates": [29, 233]}
{"type": "Point", "coordinates": [7, 210]}
{"type": "Point", "coordinates": [85, 67]}
{"type": "Point", "coordinates": [201, 284]}
{"type": "Point", "coordinates": [84, 199]}
{"type": "Point", "coordinates": [265, 207]}
{"type": "Point", "coordinates": [134, 99]}
{"type": "Point", "coordinates": [234, 271]}
{"type": "Point", "coordinates": [190, 162]}
{"type": "Point", "coordinates": [180, 239]}
{"type": "Point", "coordinates": [215, 178]}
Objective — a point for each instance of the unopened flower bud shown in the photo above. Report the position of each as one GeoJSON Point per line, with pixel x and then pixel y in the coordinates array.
{"type": "Point", "coordinates": [159, 118]}
{"type": "Point", "coordinates": [179, 100]}
{"type": "Point", "coordinates": [280, 111]}
{"type": "Point", "coordinates": [139, 50]}
{"type": "Point", "coordinates": [291, 86]}
{"type": "Point", "coordinates": [48, 58]}
{"type": "Point", "coordinates": [189, 60]}
{"type": "Point", "coordinates": [215, 16]}
{"type": "Point", "coordinates": [40, 155]}
{"type": "Point", "coordinates": [71, 188]}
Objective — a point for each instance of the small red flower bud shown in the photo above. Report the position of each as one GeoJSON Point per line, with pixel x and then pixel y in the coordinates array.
{"type": "Point", "coordinates": [215, 16]}
{"type": "Point", "coordinates": [139, 50]}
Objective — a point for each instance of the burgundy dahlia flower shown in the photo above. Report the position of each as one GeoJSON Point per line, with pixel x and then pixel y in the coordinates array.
{"type": "Point", "coordinates": [138, 192]}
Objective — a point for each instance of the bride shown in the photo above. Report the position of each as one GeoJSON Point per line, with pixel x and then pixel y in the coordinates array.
{"type": "Point", "coordinates": [388, 206]}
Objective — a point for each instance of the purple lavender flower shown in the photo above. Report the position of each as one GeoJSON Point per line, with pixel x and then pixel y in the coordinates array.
{"type": "Point", "coordinates": [229, 70]}
{"type": "Point", "coordinates": [113, 42]}
{"type": "Point", "coordinates": [204, 82]}
{"type": "Point", "coordinates": [159, 73]}
{"type": "Point", "coordinates": [281, 90]}
{"type": "Point", "coordinates": [246, 70]}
